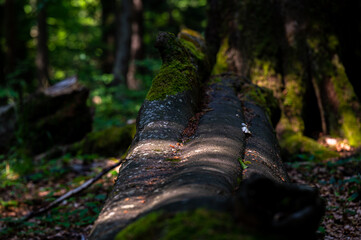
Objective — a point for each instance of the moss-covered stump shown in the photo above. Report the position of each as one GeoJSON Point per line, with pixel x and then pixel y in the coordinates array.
{"type": "Point", "coordinates": [56, 115]}
{"type": "Point", "coordinates": [111, 141]}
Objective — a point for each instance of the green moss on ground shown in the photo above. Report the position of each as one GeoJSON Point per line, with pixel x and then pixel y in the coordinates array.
{"type": "Point", "coordinates": [112, 141]}
{"type": "Point", "coordinates": [196, 224]}
{"type": "Point", "coordinates": [296, 144]}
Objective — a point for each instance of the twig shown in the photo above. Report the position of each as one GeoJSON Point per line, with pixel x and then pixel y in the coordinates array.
{"type": "Point", "coordinates": [71, 193]}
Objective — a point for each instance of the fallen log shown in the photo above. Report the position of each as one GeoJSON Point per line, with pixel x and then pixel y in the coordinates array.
{"type": "Point", "coordinates": [208, 175]}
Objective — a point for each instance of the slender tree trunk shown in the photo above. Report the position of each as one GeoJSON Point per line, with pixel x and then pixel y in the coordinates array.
{"type": "Point", "coordinates": [136, 46]}
{"type": "Point", "coordinates": [10, 35]}
{"type": "Point", "coordinates": [122, 54]}
{"type": "Point", "coordinates": [2, 54]}
{"type": "Point", "coordinates": [42, 49]}
{"type": "Point", "coordinates": [108, 34]}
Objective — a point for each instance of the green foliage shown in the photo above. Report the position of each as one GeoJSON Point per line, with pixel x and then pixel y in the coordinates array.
{"type": "Point", "coordinates": [108, 142]}
{"type": "Point", "coordinates": [243, 163]}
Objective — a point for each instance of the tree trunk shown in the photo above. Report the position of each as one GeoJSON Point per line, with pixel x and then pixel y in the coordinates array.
{"type": "Point", "coordinates": [42, 60]}
{"type": "Point", "coordinates": [10, 35]}
{"type": "Point", "coordinates": [124, 32]}
{"type": "Point", "coordinates": [347, 24]}
{"type": "Point", "coordinates": [108, 34]}
{"type": "Point", "coordinates": [136, 46]}
{"type": "Point", "coordinates": [223, 168]}
{"type": "Point", "coordinates": [3, 99]}
{"type": "Point", "coordinates": [16, 50]}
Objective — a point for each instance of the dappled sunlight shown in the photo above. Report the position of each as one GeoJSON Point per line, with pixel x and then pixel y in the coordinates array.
{"type": "Point", "coordinates": [338, 144]}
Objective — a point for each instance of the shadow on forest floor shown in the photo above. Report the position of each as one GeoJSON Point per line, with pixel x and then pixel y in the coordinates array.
{"type": "Point", "coordinates": [338, 180]}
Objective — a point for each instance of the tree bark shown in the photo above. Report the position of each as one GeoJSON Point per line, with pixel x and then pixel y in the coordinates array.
{"type": "Point", "coordinates": [3, 99]}
{"type": "Point", "coordinates": [124, 31]}
{"type": "Point", "coordinates": [10, 35]}
{"type": "Point", "coordinates": [347, 24]}
{"type": "Point", "coordinates": [136, 46]}
{"type": "Point", "coordinates": [42, 61]}
{"type": "Point", "coordinates": [205, 171]}
{"type": "Point", "coordinates": [16, 50]}
{"type": "Point", "coordinates": [108, 34]}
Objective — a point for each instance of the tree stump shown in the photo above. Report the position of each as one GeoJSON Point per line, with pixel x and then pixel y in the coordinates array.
{"type": "Point", "coordinates": [56, 115]}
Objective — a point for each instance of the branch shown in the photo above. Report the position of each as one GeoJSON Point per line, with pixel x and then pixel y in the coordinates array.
{"type": "Point", "coordinates": [71, 193]}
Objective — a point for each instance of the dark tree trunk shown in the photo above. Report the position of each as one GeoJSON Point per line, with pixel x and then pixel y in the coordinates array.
{"type": "Point", "coordinates": [124, 31]}
{"type": "Point", "coordinates": [2, 54]}
{"type": "Point", "coordinates": [10, 35]}
{"type": "Point", "coordinates": [42, 48]}
{"type": "Point", "coordinates": [136, 46]}
{"type": "Point", "coordinates": [15, 45]}
{"type": "Point", "coordinates": [108, 34]}
{"type": "Point", "coordinates": [213, 30]}
{"type": "Point", "coordinates": [347, 26]}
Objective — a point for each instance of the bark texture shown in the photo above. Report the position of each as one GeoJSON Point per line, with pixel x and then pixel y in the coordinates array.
{"type": "Point", "coordinates": [42, 59]}
{"type": "Point", "coordinates": [122, 54]}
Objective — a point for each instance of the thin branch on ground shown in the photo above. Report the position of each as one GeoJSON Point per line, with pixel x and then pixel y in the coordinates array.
{"type": "Point", "coordinates": [70, 193]}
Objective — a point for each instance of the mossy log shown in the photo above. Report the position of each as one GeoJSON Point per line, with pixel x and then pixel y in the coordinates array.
{"type": "Point", "coordinates": [202, 187]}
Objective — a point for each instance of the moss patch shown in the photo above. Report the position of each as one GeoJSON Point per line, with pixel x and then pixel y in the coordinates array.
{"type": "Point", "coordinates": [350, 123]}
{"type": "Point", "coordinates": [264, 98]}
{"type": "Point", "coordinates": [221, 64]}
{"type": "Point", "coordinates": [197, 224]}
{"type": "Point", "coordinates": [177, 73]}
{"type": "Point", "coordinates": [295, 144]}
{"type": "Point", "coordinates": [109, 142]}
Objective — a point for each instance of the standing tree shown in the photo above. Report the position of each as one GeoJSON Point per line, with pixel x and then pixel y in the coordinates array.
{"type": "Point", "coordinates": [2, 55]}
{"type": "Point", "coordinates": [122, 54]}
{"type": "Point", "coordinates": [42, 60]}
{"type": "Point", "coordinates": [136, 45]}
{"type": "Point", "coordinates": [129, 42]}
{"type": "Point", "coordinates": [108, 34]}
{"type": "Point", "coordinates": [16, 32]}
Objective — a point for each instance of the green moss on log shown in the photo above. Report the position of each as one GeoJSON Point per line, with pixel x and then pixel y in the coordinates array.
{"type": "Point", "coordinates": [178, 73]}
{"type": "Point", "coordinates": [197, 224]}
{"type": "Point", "coordinates": [112, 141]}
{"type": "Point", "coordinates": [264, 98]}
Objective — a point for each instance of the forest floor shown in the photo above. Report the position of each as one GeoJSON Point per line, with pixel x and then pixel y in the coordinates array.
{"type": "Point", "coordinates": [338, 180]}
